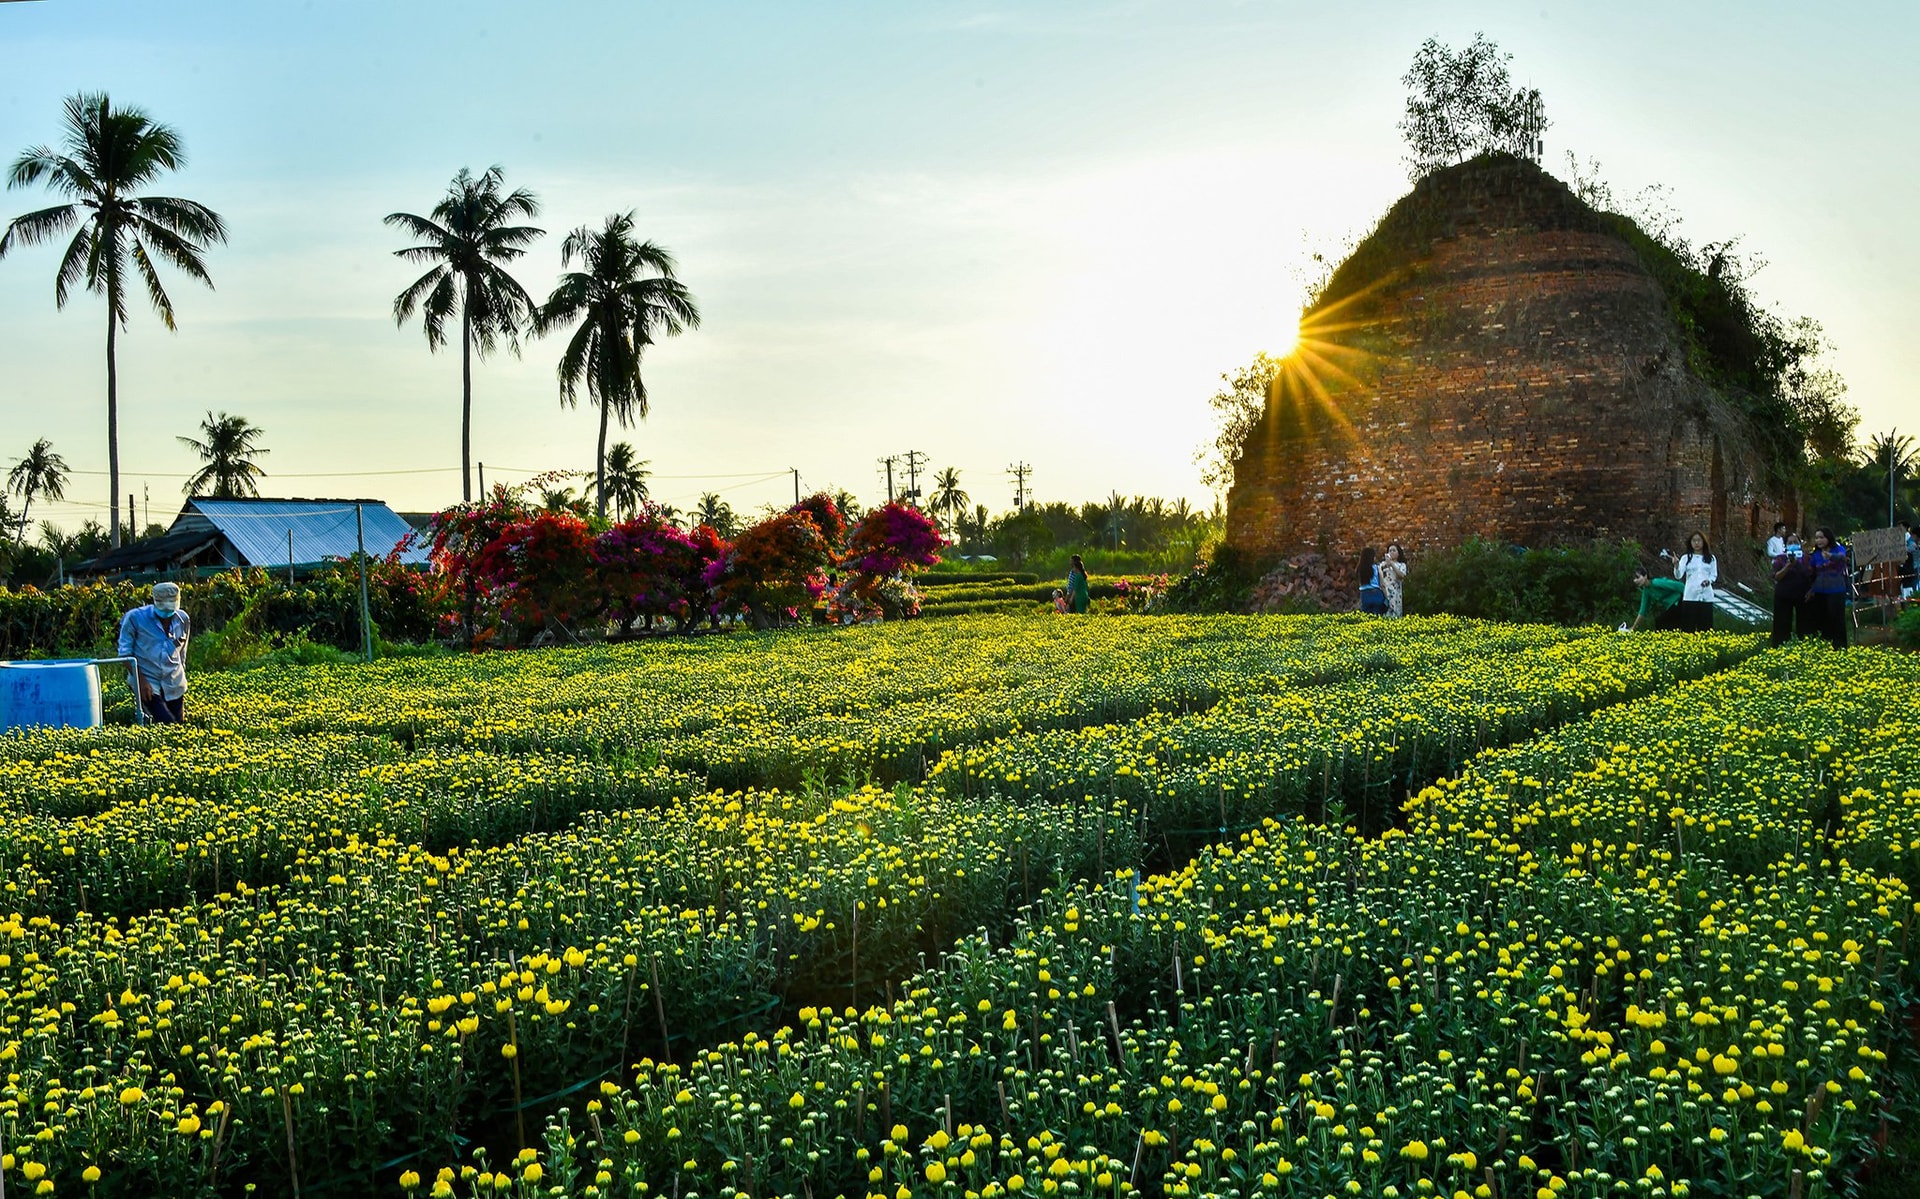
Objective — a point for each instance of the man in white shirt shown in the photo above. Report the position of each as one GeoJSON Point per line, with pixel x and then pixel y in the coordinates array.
{"type": "Point", "coordinates": [155, 635]}
{"type": "Point", "coordinates": [1777, 544]}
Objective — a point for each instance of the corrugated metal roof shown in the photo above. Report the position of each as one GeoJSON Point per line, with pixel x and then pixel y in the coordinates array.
{"type": "Point", "coordinates": [176, 545]}
{"type": "Point", "coordinates": [321, 528]}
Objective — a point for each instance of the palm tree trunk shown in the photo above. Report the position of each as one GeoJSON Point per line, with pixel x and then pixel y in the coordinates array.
{"type": "Point", "coordinates": [113, 424]}
{"type": "Point", "coordinates": [466, 404]}
{"type": "Point", "coordinates": [600, 463]}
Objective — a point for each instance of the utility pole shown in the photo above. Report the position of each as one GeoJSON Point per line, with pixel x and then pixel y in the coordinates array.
{"type": "Point", "coordinates": [796, 485]}
{"type": "Point", "coordinates": [916, 462]}
{"type": "Point", "coordinates": [1113, 503]}
{"type": "Point", "coordinates": [366, 619]}
{"type": "Point", "coordinates": [1895, 460]}
{"type": "Point", "coordinates": [483, 482]}
{"type": "Point", "coordinates": [1019, 471]}
{"type": "Point", "coordinates": [888, 462]}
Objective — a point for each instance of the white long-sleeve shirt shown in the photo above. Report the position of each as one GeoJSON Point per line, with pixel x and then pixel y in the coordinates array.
{"type": "Point", "coordinates": [160, 646]}
{"type": "Point", "coordinates": [1699, 574]}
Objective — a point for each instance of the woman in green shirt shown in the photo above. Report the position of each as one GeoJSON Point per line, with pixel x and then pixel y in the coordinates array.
{"type": "Point", "coordinates": [1078, 598]}
{"type": "Point", "coordinates": [1657, 598]}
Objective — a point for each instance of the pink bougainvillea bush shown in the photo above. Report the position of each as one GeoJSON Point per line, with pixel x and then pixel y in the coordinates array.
{"type": "Point", "coordinates": [649, 569]}
{"type": "Point", "coordinates": [887, 547]}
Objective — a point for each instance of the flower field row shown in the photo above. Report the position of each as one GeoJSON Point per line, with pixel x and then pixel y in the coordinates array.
{"type": "Point", "coordinates": [359, 1011]}
{"type": "Point", "coordinates": [868, 702]}
{"type": "Point", "coordinates": [202, 835]}
{"type": "Point", "coordinates": [1481, 1008]}
{"type": "Point", "coordinates": [154, 819]}
{"type": "Point", "coordinates": [1352, 743]}
{"type": "Point", "coordinates": [1803, 754]}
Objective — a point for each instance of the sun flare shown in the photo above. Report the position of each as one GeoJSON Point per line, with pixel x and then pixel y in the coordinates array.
{"type": "Point", "coordinates": [1286, 339]}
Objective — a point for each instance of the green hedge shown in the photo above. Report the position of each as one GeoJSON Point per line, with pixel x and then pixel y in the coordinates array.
{"type": "Point", "coordinates": [960, 578]}
{"type": "Point", "coordinates": [1569, 585]}
{"type": "Point", "coordinates": [82, 621]}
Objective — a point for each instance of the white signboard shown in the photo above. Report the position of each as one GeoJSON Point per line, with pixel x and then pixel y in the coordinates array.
{"type": "Point", "coordinates": [1878, 545]}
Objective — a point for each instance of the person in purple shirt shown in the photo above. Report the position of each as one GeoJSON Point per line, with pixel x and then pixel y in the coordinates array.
{"type": "Point", "coordinates": [1791, 579]}
{"type": "Point", "coordinates": [1827, 597]}
{"type": "Point", "coordinates": [155, 635]}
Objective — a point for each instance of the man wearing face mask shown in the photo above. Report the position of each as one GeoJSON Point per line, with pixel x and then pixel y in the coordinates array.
{"type": "Point", "coordinates": [155, 635]}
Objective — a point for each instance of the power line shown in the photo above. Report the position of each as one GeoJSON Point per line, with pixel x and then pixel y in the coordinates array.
{"type": "Point", "coordinates": [423, 470]}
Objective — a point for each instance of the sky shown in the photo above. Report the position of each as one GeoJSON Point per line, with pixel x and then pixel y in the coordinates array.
{"type": "Point", "coordinates": [1003, 233]}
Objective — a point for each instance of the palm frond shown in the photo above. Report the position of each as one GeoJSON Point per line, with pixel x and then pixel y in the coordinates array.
{"type": "Point", "coordinates": [404, 303]}
{"type": "Point", "coordinates": [417, 226]}
{"type": "Point", "coordinates": [182, 253]}
{"type": "Point", "coordinates": [45, 224]}
{"type": "Point", "coordinates": [188, 219]}
{"type": "Point", "coordinates": [574, 364]}
{"type": "Point", "coordinates": [162, 303]}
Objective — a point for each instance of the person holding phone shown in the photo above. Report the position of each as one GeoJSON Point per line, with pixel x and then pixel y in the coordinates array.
{"type": "Point", "coordinates": [155, 635]}
{"type": "Point", "coordinates": [1698, 570]}
{"type": "Point", "coordinates": [1827, 597]}
{"type": "Point", "coordinates": [1791, 579]}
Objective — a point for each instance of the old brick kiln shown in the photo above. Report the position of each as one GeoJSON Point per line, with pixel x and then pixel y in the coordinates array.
{"type": "Point", "coordinates": [1494, 361]}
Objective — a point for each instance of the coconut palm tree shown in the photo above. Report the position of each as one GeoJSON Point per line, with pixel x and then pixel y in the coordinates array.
{"type": "Point", "coordinates": [562, 500]}
{"type": "Point", "coordinates": [949, 499]}
{"type": "Point", "coordinates": [716, 512]}
{"type": "Point", "coordinates": [625, 299]}
{"type": "Point", "coordinates": [228, 470]}
{"type": "Point", "coordinates": [41, 473]}
{"type": "Point", "coordinates": [467, 241]}
{"type": "Point", "coordinates": [1892, 452]}
{"type": "Point", "coordinates": [624, 481]}
{"type": "Point", "coordinates": [977, 528]}
{"type": "Point", "coordinates": [109, 154]}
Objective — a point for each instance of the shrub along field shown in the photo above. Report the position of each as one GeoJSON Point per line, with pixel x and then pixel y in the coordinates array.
{"type": "Point", "coordinates": [1297, 905]}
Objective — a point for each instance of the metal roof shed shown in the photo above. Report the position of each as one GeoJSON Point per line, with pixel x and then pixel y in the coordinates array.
{"type": "Point", "coordinates": [254, 531]}
{"type": "Point", "coordinates": [214, 534]}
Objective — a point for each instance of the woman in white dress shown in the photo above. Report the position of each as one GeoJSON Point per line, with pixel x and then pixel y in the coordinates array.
{"type": "Point", "coordinates": [1699, 571]}
{"type": "Point", "coordinates": [1393, 578]}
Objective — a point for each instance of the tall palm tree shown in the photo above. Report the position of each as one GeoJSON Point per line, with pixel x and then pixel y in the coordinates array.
{"type": "Point", "coordinates": [109, 153]}
{"type": "Point", "coordinates": [623, 483]}
{"type": "Point", "coordinates": [1892, 452]}
{"type": "Point", "coordinates": [949, 498]}
{"type": "Point", "coordinates": [716, 512]}
{"type": "Point", "coordinates": [228, 471]}
{"type": "Point", "coordinates": [625, 298]}
{"type": "Point", "coordinates": [41, 473]}
{"type": "Point", "coordinates": [467, 241]}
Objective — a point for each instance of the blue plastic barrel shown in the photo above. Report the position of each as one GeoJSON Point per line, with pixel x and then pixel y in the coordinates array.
{"type": "Point", "coordinates": [51, 694]}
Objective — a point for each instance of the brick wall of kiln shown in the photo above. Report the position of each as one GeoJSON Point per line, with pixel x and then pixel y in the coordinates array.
{"type": "Point", "coordinates": [1524, 386]}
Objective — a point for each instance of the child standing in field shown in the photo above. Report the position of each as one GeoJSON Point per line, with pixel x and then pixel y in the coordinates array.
{"type": "Point", "coordinates": [1059, 601]}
